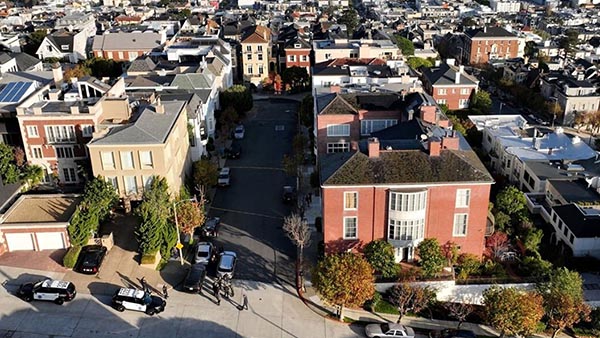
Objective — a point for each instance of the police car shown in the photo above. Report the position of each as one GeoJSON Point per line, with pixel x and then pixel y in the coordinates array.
{"type": "Point", "coordinates": [57, 291]}
{"type": "Point", "coordinates": [137, 300]}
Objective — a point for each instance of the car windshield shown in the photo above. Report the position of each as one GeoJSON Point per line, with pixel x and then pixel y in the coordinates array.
{"type": "Point", "coordinates": [202, 253]}
{"type": "Point", "coordinates": [223, 176]}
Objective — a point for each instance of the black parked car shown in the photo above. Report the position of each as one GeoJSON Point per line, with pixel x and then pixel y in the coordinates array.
{"type": "Point", "coordinates": [209, 229]}
{"type": "Point", "coordinates": [195, 278]}
{"type": "Point", "coordinates": [90, 259]}
{"type": "Point", "coordinates": [289, 194]}
{"type": "Point", "coordinates": [235, 151]}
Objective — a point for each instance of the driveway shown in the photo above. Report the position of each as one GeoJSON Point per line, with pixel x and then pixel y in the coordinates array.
{"type": "Point", "coordinates": [251, 209]}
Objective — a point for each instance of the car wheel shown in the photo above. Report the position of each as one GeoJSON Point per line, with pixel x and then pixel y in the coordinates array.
{"type": "Point", "coordinates": [120, 308]}
{"type": "Point", "coordinates": [150, 312]}
{"type": "Point", "coordinates": [27, 298]}
{"type": "Point", "coordinates": [59, 301]}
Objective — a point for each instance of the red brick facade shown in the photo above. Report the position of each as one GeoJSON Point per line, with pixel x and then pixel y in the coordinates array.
{"type": "Point", "coordinates": [123, 56]}
{"type": "Point", "coordinates": [481, 50]}
{"type": "Point", "coordinates": [373, 209]}
{"type": "Point", "coordinates": [451, 96]}
{"type": "Point", "coordinates": [297, 55]}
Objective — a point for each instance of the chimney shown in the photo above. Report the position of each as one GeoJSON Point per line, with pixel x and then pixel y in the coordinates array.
{"type": "Point", "coordinates": [428, 113]}
{"type": "Point", "coordinates": [450, 141]}
{"type": "Point", "coordinates": [53, 94]}
{"type": "Point", "coordinates": [373, 147]}
{"type": "Point", "coordinates": [461, 69]}
{"type": "Point", "coordinates": [74, 109]}
{"type": "Point", "coordinates": [57, 74]}
{"type": "Point", "coordinates": [354, 145]}
{"type": "Point", "coordinates": [485, 29]}
{"type": "Point", "coordinates": [37, 110]}
{"type": "Point", "coordinates": [159, 108]}
{"type": "Point", "coordinates": [335, 89]}
{"type": "Point", "coordinates": [435, 146]}
{"type": "Point", "coordinates": [457, 77]}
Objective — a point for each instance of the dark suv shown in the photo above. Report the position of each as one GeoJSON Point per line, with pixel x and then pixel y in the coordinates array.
{"type": "Point", "coordinates": [235, 151]}
{"type": "Point", "coordinates": [195, 278]}
{"type": "Point", "coordinates": [56, 291]}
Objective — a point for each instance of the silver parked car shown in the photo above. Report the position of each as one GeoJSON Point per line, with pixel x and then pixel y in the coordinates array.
{"type": "Point", "coordinates": [224, 177]}
{"type": "Point", "coordinates": [204, 253]}
{"type": "Point", "coordinates": [385, 330]}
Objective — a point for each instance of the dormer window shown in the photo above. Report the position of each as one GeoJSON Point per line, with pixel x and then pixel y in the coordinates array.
{"type": "Point", "coordinates": [297, 45]}
{"type": "Point", "coordinates": [64, 47]}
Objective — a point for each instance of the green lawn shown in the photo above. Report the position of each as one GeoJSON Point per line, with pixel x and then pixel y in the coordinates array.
{"type": "Point", "coordinates": [385, 307]}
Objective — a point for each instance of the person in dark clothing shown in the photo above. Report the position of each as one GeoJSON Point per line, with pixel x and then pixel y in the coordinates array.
{"type": "Point", "coordinates": [216, 291]}
{"type": "Point", "coordinates": [245, 302]}
{"type": "Point", "coordinates": [165, 289]}
{"type": "Point", "coordinates": [144, 284]}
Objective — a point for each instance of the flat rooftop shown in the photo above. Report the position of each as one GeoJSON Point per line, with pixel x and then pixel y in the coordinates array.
{"type": "Point", "coordinates": [55, 208]}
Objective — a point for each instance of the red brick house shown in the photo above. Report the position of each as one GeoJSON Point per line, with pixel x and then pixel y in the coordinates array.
{"type": "Point", "coordinates": [413, 180]}
{"type": "Point", "coordinates": [489, 43]}
{"type": "Point", "coordinates": [297, 53]}
{"type": "Point", "coordinates": [450, 85]}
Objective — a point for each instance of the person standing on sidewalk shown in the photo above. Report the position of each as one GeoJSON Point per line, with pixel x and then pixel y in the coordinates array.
{"type": "Point", "coordinates": [216, 291]}
{"type": "Point", "coordinates": [164, 290]}
{"type": "Point", "coordinates": [245, 302]}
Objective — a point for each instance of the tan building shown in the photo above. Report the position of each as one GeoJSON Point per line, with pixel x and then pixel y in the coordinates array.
{"type": "Point", "coordinates": [256, 54]}
{"type": "Point", "coordinates": [356, 49]}
{"type": "Point", "coordinates": [155, 144]}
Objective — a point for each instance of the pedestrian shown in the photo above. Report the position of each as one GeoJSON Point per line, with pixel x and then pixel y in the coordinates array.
{"type": "Point", "coordinates": [165, 293]}
{"type": "Point", "coordinates": [144, 285]}
{"type": "Point", "coordinates": [245, 302]}
{"type": "Point", "coordinates": [310, 198]}
{"type": "Point", "coordinates": [216, 290]}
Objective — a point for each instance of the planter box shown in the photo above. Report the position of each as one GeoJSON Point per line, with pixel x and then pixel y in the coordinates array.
{"type": "Point", "coordinates": [157, 259]}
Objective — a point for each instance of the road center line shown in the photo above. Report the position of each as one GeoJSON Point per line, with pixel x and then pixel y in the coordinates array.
{"type": "Point", "coordinates": [247, 213]}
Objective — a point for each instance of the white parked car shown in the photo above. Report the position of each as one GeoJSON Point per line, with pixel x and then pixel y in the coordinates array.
{"type": "Point", "coordinates": [204, 253]}
{"type": "Point", "coordinates": [386, 330]}
{"type": "Point", "coordinates": [224, 177]}
{"type": "Point", "coordinates": [239, 132]}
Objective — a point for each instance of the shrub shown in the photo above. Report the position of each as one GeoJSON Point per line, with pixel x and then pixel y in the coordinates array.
{"type": "Point", "coordinates": [148, 259]}
{"type": "Point", "coordinates": [494, 269]}
{"type": "Point", "coordinates": [535, 266]}
{"type": "Point", "coordinates": [432, 259]}
{"type": "Point", "coordinates": [371, 304]}
{"type": "Point", "coordinates": [71, 256]}
{"type": "Point", "coordinates": [380, 254]}
{"type": "Point", "coordinates": [469, 265]}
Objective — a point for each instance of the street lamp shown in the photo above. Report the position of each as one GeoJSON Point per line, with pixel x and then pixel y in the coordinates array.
{"type": "Point", "coordinates": [501, 105]}
{"type": "Point", "coordinates": [179, 245]}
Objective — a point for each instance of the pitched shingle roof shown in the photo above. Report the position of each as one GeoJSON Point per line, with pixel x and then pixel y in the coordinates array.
{"type": "Point", "coordinates": [489, 32]}
{"type": "Point", "coordinates": [150, 127]}
{"type": "Point", "coordinates": [333, 104]}
{"type": "Point", "coordinates": [445, 75]}
{"type": "Point", "coordinates": [141, 65]}
{"type": "Point", "coordinates": [407, 166]}
{"type": "Point", "coordinates": [127, 41]}
{"type": "Point", "coordinates": [257, 34]}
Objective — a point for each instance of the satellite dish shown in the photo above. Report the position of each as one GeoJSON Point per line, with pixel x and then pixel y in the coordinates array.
{"type": "Point", "coordinates": [423, 137]}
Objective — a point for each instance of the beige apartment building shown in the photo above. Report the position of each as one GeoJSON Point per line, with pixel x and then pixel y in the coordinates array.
{"type": "Point", "coordinates": [155, 144]}
{"type": "Point", "coordinates": [356, 49]}
{"type": "Point", "coordinates": [256, 54]}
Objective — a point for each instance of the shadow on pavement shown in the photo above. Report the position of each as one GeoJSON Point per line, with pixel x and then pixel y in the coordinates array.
{"type": "Point", "coordinates": [22, 279]}
{"type": "Point", "coordinates": [102, 288]}
{"type": "Point", "coordinates": [81, 319]}
{"type": "Point", "coordinates": [128, 282]}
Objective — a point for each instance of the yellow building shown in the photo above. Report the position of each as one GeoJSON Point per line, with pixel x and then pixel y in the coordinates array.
{"type": "Point", "coordinates": [155, 144]}
{"type": "Point", "coordinates": [256, 54]}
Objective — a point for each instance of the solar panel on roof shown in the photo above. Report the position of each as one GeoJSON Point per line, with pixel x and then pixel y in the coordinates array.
{"type": "Point", "coordinates": [14, 91]}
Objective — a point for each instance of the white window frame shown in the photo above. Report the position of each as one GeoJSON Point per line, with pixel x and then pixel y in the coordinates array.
{"type": "Point", "coordinates": [248, 48]}
{"type": "Point", "coordinates": [346, 195]}
{"type": "Point", "coordinates": [130, 190]}
{"type": "Point", "coordinates": [259, 48]}
{"type": "Point", "coordinates": [124, 156]}
{"type": "Point", "coordinates": [304, 58]}
{"type": "Point", "coordinates": [355, 227]}
{"type": "Point", "coordinates": [120, 54]}
{"type": "Point", "coordinates": [463, 103]}
{"type": "Point", "coordinates": [60, 133]}
{"type": "Point", "coordinates": [465, 91]}
{"type": "Point", "coordinates": [261, 69]}
{"type": "Point", "coordinates": [370, 126]}
{"type": "Point", "coordinates": [408, 201]}
{"type": "Point", "coordinates": [146, 159]}
{"type": "Point", "coordinates": [463, 198]}
{"type": "Point", "coordinates": [250, 70]}
{"type": "Point", "coordinates": [32, 131]}
{"type": "Point", "coordinates": [87, 130]}
{"type": "Point", "coordinates": [248, 57]}
{"type": "Point", "coordinates": [456, 227]}
{"type": "Point", "coordinates": [35, 151]}
{"type": "Point", "coordinates": [442, 91]}
{"type": "Point", "coordinates": [338, 147]}
{"type": "Point", "coordinates": [260, 57]}
{"type": "Point", "coordinates": [331, 130]}
{"type": "Point", "coordinates": [406, 229]}
{"type": "Point", "coordinates": [291, 58]}
{"type": "Point", "coordinates": [441, 101]}
{"type": "Point", "coordinates": [113, 181]}
{"type": "Point", "coordinates": [147, 181]}
{"type": "Point", "coordinates": [106, 165]}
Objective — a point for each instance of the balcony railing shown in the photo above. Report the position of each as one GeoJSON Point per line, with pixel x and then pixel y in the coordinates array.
{"type": "Point", "coordinates": [55, 140]}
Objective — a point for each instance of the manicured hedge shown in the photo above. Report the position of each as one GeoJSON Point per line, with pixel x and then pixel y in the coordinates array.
{"type": "Point", "coordinates": [71, 256]}
{"type": "Point", "coordinates": [148, 259]}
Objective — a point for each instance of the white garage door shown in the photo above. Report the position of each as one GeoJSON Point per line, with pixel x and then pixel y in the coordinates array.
{"type": "Point", "coordinates": [50, 240]}
{"type": "Point", "coordinates": [22, 241]}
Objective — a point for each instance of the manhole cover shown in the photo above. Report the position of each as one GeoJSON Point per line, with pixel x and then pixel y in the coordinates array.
{"type": "Point", "coordinates": [279, 128]}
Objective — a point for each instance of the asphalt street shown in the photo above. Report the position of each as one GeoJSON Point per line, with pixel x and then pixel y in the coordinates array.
{"type": "Point", "coordinates": [251, 208]}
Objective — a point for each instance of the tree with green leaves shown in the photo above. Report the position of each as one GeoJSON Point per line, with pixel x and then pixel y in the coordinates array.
{"type": "Point", "coordinates": [535, 266]}
{"type": "Point", "coordinates": [79, 71]}
{"type": "Point", "coordinates": [227, 119]}
{"type": "Point", "coordinates": [512, 311]}
{"type": "Point", "coordinates": [563, 300]}
{"type": "Point", "coordinates": [98, 199]}
{"type": "Point", "coordinates": [481, 101]}
{"type": "Point", "coordinates": [238, 97]}
{"type": "Point", "coordinates": [510, 200]}
{"type": "Point", "coordinates": [154, 212]}
{"type": "Point", "coordinates": [349, 18]}
{"type": "Point", "coordinates": [205, 173]}
{"type": "Point", "coordinates": [305, 111]}
{"type": "Point", "coordinates": [468, 265]}
{"type": "Point", "coordinates": [380, 254]}
{"type": "Point", "coordinates": [569, 41]}
{"type": "Point", "coordinates": [406, 46]}
{"type": "Point", "coordinates": [417, 62]}
{"type": "Point", "coordinates": [532, 238]}
{"type": "Point", "coordinates": [431, 258]}
{"type": "Point", "coordinates": [9, 171]}
{"type": "Point", "coordinates": [33, 41]}
{"type": "Point", "coordinates": [411, 298]}
{"type": "Point", "coordinates": [457, 124]}
{"type": "Point", "coordinates": [344, 279]}
{"type": "Point", "coordinates": [295, 76]}
{"type": "Point", "coordinates": [101, 67]}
